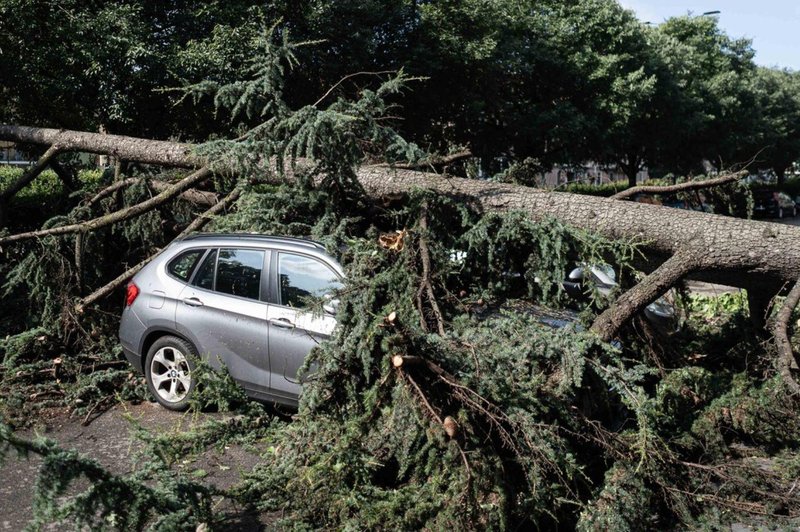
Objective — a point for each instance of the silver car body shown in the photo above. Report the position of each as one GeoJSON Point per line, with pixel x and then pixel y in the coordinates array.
{"type": "Point", "coordinates": [242, 318]}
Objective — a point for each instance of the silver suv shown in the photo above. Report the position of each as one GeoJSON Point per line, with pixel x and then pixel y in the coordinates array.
{"type": "Point", "coordinates": [241, 300]}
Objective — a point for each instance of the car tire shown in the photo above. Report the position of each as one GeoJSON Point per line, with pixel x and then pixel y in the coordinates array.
{"type": "Point", "coordinates": [794, 212]}
{"type": "Point", "coordinates": [780, 213]}
{"type": "Point", "coordinates": [169, 370]}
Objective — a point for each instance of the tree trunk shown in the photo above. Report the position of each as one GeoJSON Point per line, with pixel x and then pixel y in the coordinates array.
{"type": "Point", "coordinates": [781, 173]}
{"type": "Point", "coordinates": [631, 169]}
{"type": "Point", "coordinates": [731, 251]}
{"type": "Point", "coordinates": [127, 148]}
{"type": "Point", "coordinates": [734, 246]}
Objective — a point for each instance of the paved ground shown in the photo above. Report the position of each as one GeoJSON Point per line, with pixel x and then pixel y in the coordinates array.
{"type": "Point", "coordinates": [107, 439]}
{"type": "Point", "coordinates": [787, 221]}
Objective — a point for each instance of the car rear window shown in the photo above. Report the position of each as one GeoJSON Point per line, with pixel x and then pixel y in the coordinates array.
{"type": "Point", "coordinates": [183, 265]}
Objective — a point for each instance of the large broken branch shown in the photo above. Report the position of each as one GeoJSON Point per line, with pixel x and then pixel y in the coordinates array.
{"type": "Point", "coordinates": [680, 187]}
{"type": "Point", "coordinates": [608, 324]}
{"type": "Point", "coordinates": [193, 195]}
{"type": "Point", "coordinates": [196, 225]}
{"type": "Point", "coordinates": [116, 216]}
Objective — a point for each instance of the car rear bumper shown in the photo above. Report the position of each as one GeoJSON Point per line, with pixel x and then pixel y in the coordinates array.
{"type": "Point", "coordinates": [131, 335]}
{"type": "Point", "coordinates": [134, 358]}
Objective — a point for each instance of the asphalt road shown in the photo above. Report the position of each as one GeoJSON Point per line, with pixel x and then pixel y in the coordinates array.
{"type": "Point", "coordinates": [786, 221]}
{"type": "Point", "coordinates": [108, 440]}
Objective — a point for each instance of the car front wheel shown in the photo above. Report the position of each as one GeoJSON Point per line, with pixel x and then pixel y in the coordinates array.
{"type": "Point", "coordinates": [168, 370]}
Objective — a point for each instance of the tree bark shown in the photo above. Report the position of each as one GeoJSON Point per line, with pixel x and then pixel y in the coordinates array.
{"type": "Point", "coordinates": [127, 148]}
{"type": "Point", "coordinates": [608, 324]}
{"type": "Point", "coordinates": [732, 251]}
{"type": "Point", "coordinates": [740, 252]}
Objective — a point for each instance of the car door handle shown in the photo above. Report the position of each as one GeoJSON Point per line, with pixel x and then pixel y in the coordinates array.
{"type": "Point", "coordinates": [192, 302]}
{"type": "Point", "coordinates": [282, 322]}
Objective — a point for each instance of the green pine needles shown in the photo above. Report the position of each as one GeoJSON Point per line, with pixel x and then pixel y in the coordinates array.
{"type": "Point", "coordinates": [444, 399]}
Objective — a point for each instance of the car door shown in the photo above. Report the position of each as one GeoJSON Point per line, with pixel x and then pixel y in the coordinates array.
{"type": "Point", "coordinates": [223, 311]}
{"type": "Point", "coordinates": [293, 328]}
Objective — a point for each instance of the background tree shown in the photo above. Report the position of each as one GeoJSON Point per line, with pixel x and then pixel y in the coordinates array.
{"type": "Point", "coordinates": [777, 135]}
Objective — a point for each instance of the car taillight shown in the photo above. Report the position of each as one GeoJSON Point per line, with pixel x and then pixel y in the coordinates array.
{"type": "Point", "coordinates": [130, 296]}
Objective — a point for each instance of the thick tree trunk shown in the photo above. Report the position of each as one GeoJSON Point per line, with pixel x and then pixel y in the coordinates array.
{"type": "Point", "coordinates": [127, 148]}
{"type": "Point", "coordinates": [732, 251]}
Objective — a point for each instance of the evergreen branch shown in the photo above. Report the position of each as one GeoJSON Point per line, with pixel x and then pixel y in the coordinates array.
{"type": "Point", "coordinates": [116, 216]}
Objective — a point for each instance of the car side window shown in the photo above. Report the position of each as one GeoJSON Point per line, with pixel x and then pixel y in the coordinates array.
{"type": "Point", "coordinates": [183, 265]}
{"type": "Point", "coordinates": [204, 278]}
{"type": "Point", "coordinates": [301, 278]}
{"type": "Point", "coordinates": [239, 272]}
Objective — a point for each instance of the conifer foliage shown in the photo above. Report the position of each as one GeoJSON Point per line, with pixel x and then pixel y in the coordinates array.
{"type": "Point", "coordinates": [444, 398]}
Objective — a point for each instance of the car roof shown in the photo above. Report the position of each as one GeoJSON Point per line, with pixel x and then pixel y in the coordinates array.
{"type": "Point", "coordinates": [254, 237]}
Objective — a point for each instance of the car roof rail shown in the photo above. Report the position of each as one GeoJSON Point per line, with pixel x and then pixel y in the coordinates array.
{"type": "Point", "coordinates": [258, 237]}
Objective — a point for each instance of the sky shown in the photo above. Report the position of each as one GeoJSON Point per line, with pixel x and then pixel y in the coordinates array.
{"type": "Point", "coordinates": [773, 25]}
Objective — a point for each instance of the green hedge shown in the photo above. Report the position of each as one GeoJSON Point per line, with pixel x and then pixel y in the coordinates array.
{"type": "Point", "coordinates": [47, 183]}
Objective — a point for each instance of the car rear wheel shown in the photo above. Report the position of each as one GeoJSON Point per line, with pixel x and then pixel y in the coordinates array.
{"type": "Point", "coordinates": [168, 370]}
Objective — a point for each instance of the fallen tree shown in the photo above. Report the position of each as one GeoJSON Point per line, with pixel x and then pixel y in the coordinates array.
{"type": "Point", "coordinates": [760, 256]}
{"type": "Point", "coordinates": [440, 386]}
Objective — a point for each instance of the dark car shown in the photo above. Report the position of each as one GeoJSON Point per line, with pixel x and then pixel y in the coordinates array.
{"type": "Point", "coordinates": [769, 204]}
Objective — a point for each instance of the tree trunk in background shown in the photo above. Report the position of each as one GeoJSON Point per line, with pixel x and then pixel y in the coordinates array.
{"type": "Point", "coordinates": [781, 173]}
{"type": "Point", "coordinates": [631, 169]}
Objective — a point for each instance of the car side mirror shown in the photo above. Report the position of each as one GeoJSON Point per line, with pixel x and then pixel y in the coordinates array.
{"type": "Point", "coordinates": [576, 274]}
{"type": "Point", "coordinates": [331, 304]}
